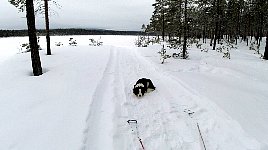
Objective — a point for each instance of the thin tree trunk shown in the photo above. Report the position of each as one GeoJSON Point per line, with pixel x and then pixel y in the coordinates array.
{"type": "Point", "coordinates": [261, 21]}
{"type": "Point", "coordinates": [36, 63]}
{"type": "Point", "coordinates": [212, 37]}
{"type": "Point", "coordinates": [180, 23]}
{"type": "Point", "coordinates": [47, 28]}
{"type": "Point", "coordinates": [219, 32]}
{"type": "Point", "coordinates": [238, 32]}
{"type": "Point", "coordinates": [249, 28]}
{"type": "Point", "coordinates": [163, 24]}
{"type": "Point", "coordinates": [217, 25]}
{"type": "Point", "coordinates": [266, 48]}
{"type": "Point", "coordinates": [204, 34]}
{"type": "Point", "coordinates": [185, 31]}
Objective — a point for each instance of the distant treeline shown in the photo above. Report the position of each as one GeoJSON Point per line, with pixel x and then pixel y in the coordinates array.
{"type": "Point", "coordinates": [53, 32]}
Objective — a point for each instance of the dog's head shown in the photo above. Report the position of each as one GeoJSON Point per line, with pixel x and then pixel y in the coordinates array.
{"type": "Point", "coordinates": [139, 90]}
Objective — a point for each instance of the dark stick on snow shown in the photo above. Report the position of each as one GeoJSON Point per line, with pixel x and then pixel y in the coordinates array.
{"type": "Point", "coordinates": [201, 136]}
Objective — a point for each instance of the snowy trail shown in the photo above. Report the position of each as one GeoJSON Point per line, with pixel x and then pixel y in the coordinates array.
{"type": "Point", "coordinates": [101, 110]}
{"type": "Point", "coordinates": [218, 129]}
{"type": "Point", "coordinates": [163, 123]}
{"type": "Point", "coordinates": [167, 117]}
{"type": "Point", "coordinates": [84, 98]}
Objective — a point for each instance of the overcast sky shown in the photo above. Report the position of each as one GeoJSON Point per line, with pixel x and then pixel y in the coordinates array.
{"type": "Point", "coordinates": [103, 14]}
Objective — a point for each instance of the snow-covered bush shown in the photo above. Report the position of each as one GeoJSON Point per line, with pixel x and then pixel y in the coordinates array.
{"type": "Point", "coordinates": [225, 50]}
{"type": "Point", "coordinates": [220, 48]}
{"type": "Point", "coordinates": [255, 47]}
{"type": "Point", "coordinates": [198, 45]}
{"type": "Point", "coordinates": [176, 55]}
{"type": "Point", "coordinates": [163, 54]}
{"type": "Point", "coordinates": [58, 44]}
{"type": "Point", "coordinates": [181, 54]}
{"type": "Point", "coordinates": [252, 46]}
{"type": "Point", "coordinates": [175, 44]}
{"type": "Point", "coordinates": [227, 54]}
{"type": "Point", "coordinates": [191, 41]}
{"type": "Point", "coordinates": [25, 47]}
{"type": "Point", "coordinates": [154, 40]}
{"type": "Point", "coordinates": [225, 47]}
{"type": "Point", "coordinates": [72, 42]}
{"type": "Point", "coordinates": [93, 42]}
{"type": "Point", "coordinates": [204, 49]}
{"type": "Point", "coordinates": [230, 44]}
{"type": "Point", "coordinates": [142, 41]}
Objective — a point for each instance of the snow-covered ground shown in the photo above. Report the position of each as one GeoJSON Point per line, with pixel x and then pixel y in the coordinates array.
{"type": "Point", "coordinates": [84, 98]}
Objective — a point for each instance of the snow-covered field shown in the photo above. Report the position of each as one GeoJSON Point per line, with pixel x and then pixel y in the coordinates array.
{"type": "Point", "coordinates": [84, 98]}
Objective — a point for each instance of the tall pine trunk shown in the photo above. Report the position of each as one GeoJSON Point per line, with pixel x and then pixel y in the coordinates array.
{"type": "Point", "coordinates": [185, 31]}
{"type": "Point", "coordinates": [216, 25]}
{"type": "Point", "coordinates": [47, 28]}
{"type": "Point", "coordinates": [204, 34]}
{"type": "Point", "coordinates": [36, 63]}
{"type": "Point", "coordinates": [163, 24]}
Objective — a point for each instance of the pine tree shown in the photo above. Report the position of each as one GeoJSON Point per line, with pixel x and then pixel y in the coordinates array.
{"type": "Point", "coordinates": [217, 20]}
{"type": "Point", "coordinates": [36, 63]}
{"type": "Point", "coordinates": [43, 9]}
{"type": "Point", "coordinates": [205, 18]}
{"type": "Point", "coordinates": [47, 27]}
{"type": "Point", "coordinates": [211, 19]}
{"type": "Point", "coordinates": [185, 36]}
{"type": "Point", "coordinates": [173, 18]}
{"type": "Point", "coordinates": [233, 19]}
{"type": "Point", "coordinates": [158, 20]}
{"type": "Point", "coordinates": [265, 6]}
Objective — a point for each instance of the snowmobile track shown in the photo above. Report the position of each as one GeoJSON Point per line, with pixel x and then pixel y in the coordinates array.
{"type": "Point", "coordinates": [157, 106]}
{"type": "Point", "coordinates": [163, 124]}
{"type": "Point", "coordinates": [100, 110]}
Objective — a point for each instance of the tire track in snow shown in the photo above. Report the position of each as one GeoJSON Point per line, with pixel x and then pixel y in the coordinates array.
{"type": "Point", "coordinates": [101, 111]}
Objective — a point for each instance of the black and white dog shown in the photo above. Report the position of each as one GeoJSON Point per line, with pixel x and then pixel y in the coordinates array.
{"type": "Point", "coordinates": [142, 86]}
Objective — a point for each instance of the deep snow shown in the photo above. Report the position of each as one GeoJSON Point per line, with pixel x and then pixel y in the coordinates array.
{"type": "Point", "coordinates": [84, 98]}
